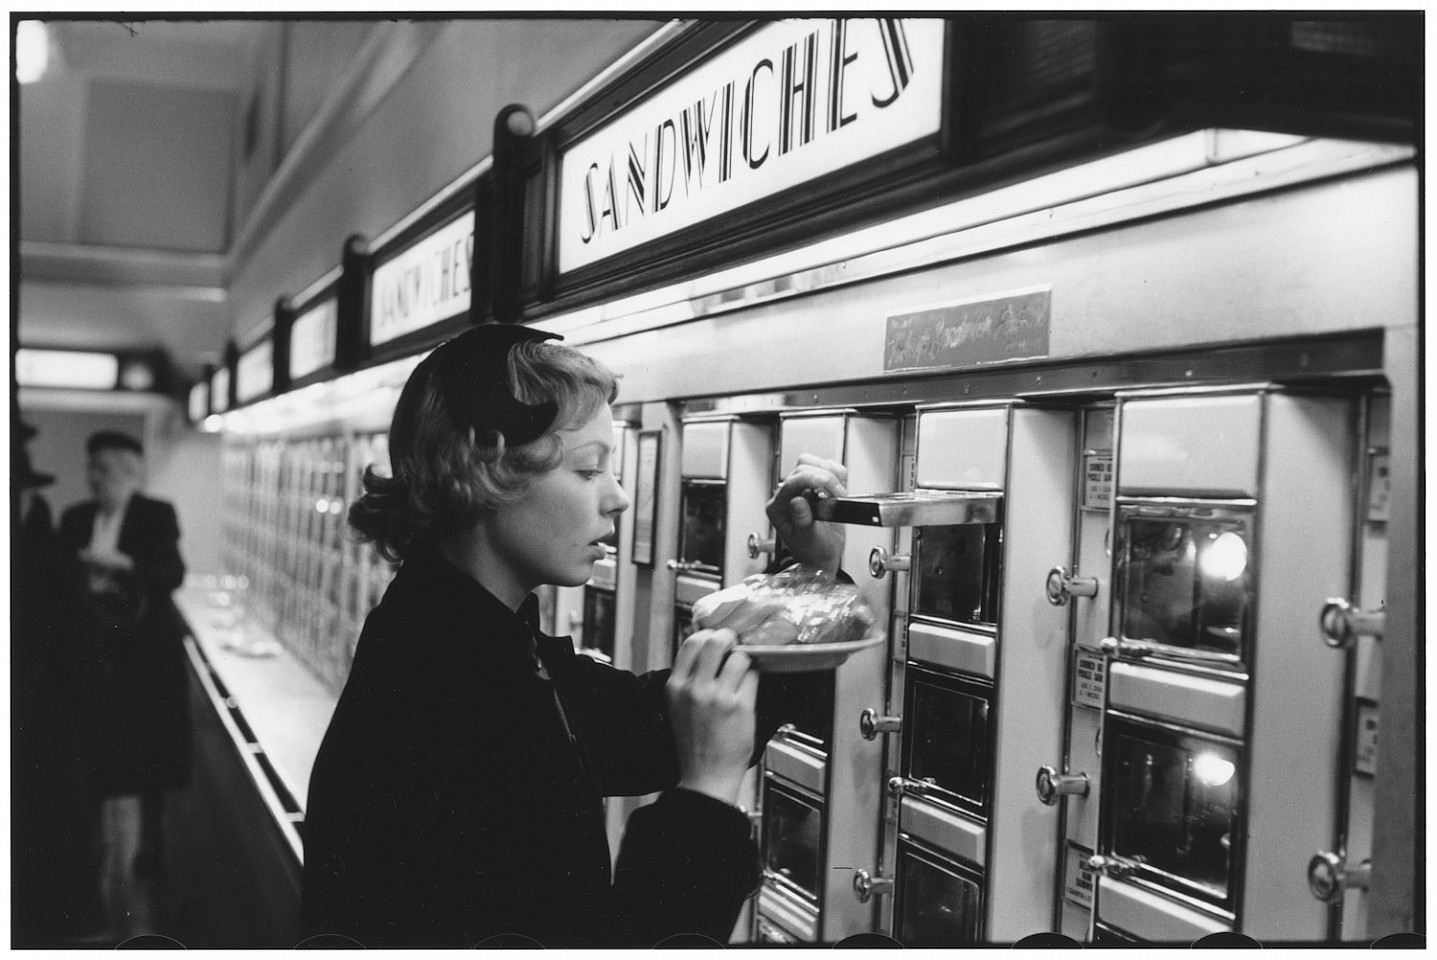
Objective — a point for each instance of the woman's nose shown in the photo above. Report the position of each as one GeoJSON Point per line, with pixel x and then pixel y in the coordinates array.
{"type": "Point", "coordinates": [618, 499]}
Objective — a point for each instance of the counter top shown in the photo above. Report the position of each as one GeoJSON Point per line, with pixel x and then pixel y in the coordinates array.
{"type": "Point", "coordinates": [285, 707]}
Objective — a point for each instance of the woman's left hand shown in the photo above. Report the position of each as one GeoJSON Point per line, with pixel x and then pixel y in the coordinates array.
{"type": "Point", "coordinates": [712, 692]}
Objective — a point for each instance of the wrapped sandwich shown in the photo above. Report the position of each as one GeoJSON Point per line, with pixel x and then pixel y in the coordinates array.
{"type": "Point", "coordinates": [799, 605]}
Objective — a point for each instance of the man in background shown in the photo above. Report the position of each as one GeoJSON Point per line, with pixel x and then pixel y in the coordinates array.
{"type": "Point", "coordinates": [136, 717]}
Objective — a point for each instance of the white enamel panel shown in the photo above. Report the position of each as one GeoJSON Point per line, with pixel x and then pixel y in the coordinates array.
{"type": "Point", "coordinates": [943, 830]}
{"type": "Point", "coordinates": [1151, 917]}
{"type": "Point", "coordinates": [963, 449]}
{"type": "Point", "coordinates": [795, 765]}
{"type": "Point", "coordinates": [1179, 697]}
{"type": "Point", "coordinates": [705, 451]}
{"type": "Point", "coordinates": [973, 653]}
{"type": "Point", "coordinates": [1190, 446]}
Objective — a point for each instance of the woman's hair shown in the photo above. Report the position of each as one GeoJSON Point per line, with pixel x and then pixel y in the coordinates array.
{"type": "Point", "coordinates": [443, 475]}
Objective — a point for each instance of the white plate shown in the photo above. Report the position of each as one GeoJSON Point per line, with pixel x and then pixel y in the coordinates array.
{"type": "Point", "coordinates": [801, 657]}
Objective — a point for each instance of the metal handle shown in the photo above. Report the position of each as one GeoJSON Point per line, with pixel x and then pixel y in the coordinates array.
{"type": "Point", "coordinates": [682, 565]}
{"type": "Point", "coordinates": [899, 787]}
{"type": "Point", "coordinates": [1052, 785]}
{"type": "Point", "coordinates": [1329, 877]}
{"type": "Point", "coordinates": [757, 545]}
{"type": "Point", "coordinates": [870, 724]}
{"type": "Point", "coordinates": [880, 562]}
{"type": "Point", "coordinates": [1342, 623]}
{"type": "Point", "coordinates": [1114, 866]}
{"type": "Point", "coordinates": [1112, 647]}
{"type": "Point", "coordinates": [1061, 587]}
{"type": "Point", "coordinates": [866, 886]}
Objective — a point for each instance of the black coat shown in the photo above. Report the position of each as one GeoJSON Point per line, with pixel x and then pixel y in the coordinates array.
{"type": "Point", "coordinates": [448, 804]}
{"type": "Point", "coordinates": [137, 717]}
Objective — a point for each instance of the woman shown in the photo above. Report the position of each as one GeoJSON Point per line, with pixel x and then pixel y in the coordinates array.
{"type": "Point", "coordinates": [457, 797]}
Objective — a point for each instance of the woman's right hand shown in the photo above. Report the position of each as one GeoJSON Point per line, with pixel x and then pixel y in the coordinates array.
{"type": "Point", "coordinates": [711, 692]}
{"type": "Point", "coordinates": [815, 542]}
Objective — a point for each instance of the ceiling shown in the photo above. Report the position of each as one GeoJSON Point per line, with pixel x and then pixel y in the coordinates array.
{"type": "Point", "coordinates": [127, 147]}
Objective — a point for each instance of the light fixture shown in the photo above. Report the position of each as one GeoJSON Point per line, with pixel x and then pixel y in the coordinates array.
{"type": "Point", "coordinates": [32, 50]}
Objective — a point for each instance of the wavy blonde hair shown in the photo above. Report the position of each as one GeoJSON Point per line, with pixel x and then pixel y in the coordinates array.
{"type": "Point", "coordinates": [443, 477]}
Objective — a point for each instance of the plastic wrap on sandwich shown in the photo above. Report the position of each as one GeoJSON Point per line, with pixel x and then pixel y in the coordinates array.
{"type": "Point", "coordinates": [799, 605]}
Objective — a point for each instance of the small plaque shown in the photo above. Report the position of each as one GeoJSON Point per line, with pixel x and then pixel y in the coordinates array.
{"type": "Point", "coordinates": [1364, 752]}
{"type": "Point", "coordinates": [1097, 480]}
{"type": "Point", "coordinates": [1078, 879]}
{"type": "Point", "coordinates": [971, 332]}
{"type": "Point", "coordinates": [1379, 486]}
{"type": "Point", "coordinates": [1090, 678]}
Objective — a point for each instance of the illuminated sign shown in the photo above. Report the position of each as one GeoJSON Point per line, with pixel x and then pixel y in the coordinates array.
{"type": "Point", "coordinates": [427, 283]}
{"type": "Point", "coordinates": [311, 339]}
{"type": "Point", "coordinates": [792, 102]}
{"type": "Point", "coordinates": [220, 391]}
{"type": "Point", "coordinates": [66, 369]}
{"type": "Point", "coordinates": [254, 374]}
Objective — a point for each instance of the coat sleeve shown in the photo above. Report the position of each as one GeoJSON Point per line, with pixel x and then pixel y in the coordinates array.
{"type": "Point", "coordinates": [687, 864]}
{"type": "Point", "coordinates": [156, 550]}
{"type": "Point", "coordinates": [634, 743]}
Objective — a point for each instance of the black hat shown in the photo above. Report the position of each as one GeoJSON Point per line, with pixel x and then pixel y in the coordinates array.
{"type": "Point", "coordinates": [474, 381]}
{"type": "Point", "coordinates": [112, 440]}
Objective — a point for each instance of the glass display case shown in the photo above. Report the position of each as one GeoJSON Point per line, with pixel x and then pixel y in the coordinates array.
{"type": "Point", "coordinates": [1183, 587]}
{"type": "Point", "coordinates": [956, 569]}
{"type": "Point", "coordinates": [1173, 813]}
{"type": "Point", "coordinates": [938, 901]}
{"type": "Point", "coordinates": [702, 543]}
{"type": "Point", "coordinates": [792, 844]}
{"type": "Point", "coordinates": [947, 738]}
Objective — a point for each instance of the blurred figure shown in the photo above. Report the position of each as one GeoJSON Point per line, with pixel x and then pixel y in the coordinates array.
{"type": "Point", "coordinates": [52, 826]}
{"type": "Point", "coordinates": [137, 722]}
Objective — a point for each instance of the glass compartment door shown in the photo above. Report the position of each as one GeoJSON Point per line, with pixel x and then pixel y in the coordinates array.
{"type": "Point", "coordinates": [947, 740]}
{"type": "Point", "coordinates": [703, 526]}
{"type": "Point", "coordinates": [792, 839]}
{"type": "Point", "coordinates": [1172, 807]}
{"type": "Point", "coordinates": [1183, 581]}
{"type": "Point", "coordinates": [938, 902]}
{"type": "Point", "coordinates": [956, 572]}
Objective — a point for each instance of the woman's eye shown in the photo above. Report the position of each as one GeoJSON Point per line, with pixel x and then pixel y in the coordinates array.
{"type": "Point", "coordinates": [591, 474]}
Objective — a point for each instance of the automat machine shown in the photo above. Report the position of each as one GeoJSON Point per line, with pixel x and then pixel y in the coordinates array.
{"type": "Point", "coordinates": [977, 672]}
{"type": "Point", "coordinates": [821, 776]}
{"type": "Point", "coordinates": [1231, 529]}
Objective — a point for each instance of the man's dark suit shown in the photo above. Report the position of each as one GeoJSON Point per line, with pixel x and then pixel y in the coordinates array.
{"type": "Point", "coordinates": [137, 717]}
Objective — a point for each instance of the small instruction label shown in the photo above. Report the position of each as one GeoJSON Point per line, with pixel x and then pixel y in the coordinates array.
{"type": "Point", "coordinates": [1090, 677]}
{"type": "Point", "coordinates": [1079, 880]}
{"type": "Point", "coordinates": [1364, 754]}
{"type": "Point", "coordinates": [1097, 480]}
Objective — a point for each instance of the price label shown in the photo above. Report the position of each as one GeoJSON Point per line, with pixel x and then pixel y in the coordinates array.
{"type": "Point", "coordinates": [1090, 678]}
{"type": "Point", "coordinates": [1364, 756]}
{"type": "Point", "coordinates": [1079, 881]}
{"type": "Point", "coordinates": [1097, 480]}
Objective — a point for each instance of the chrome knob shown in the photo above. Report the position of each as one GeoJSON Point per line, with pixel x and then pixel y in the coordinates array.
{"type": "Point", "coordinates": [1329, 877]}
{"type": "Point", "coordinates": [1051, 785]}
{"type": "Point", "coordinates": [866, 886]}
{"type": "Point", "coordinates": [870, 724]}
{"type": "Point", "coordinates": [1061, 587]}
{"type": "Point", "coordinates": [1343, 623]}
{"type": "Point", "coordinates": [757, 545]}
{"type": "Point", "coordinates": [682, 565]}
{"type": "Point", "coordinates": [880, 562]}
{"type": "Point", "coordinates": [1114, 866]}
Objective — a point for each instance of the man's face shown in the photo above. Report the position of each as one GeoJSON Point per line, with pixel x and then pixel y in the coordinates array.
{"type": "Point", "coordinates": [113, 475]}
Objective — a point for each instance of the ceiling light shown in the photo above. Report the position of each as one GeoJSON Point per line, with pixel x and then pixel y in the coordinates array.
{"type": "Point", "coordinates": [32, 51]}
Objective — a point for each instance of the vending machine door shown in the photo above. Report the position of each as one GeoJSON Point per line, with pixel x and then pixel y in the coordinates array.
{"type": "Point", "coordinates": [938, 900]}
{"type": "Point", "coordinates": [1182, 580]}
{"type": "Point", "coordinates": [1173, 811]}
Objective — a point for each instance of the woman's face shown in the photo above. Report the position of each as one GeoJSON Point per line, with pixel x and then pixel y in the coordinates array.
{"type": "Point", "coordinates": [551, 534]}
